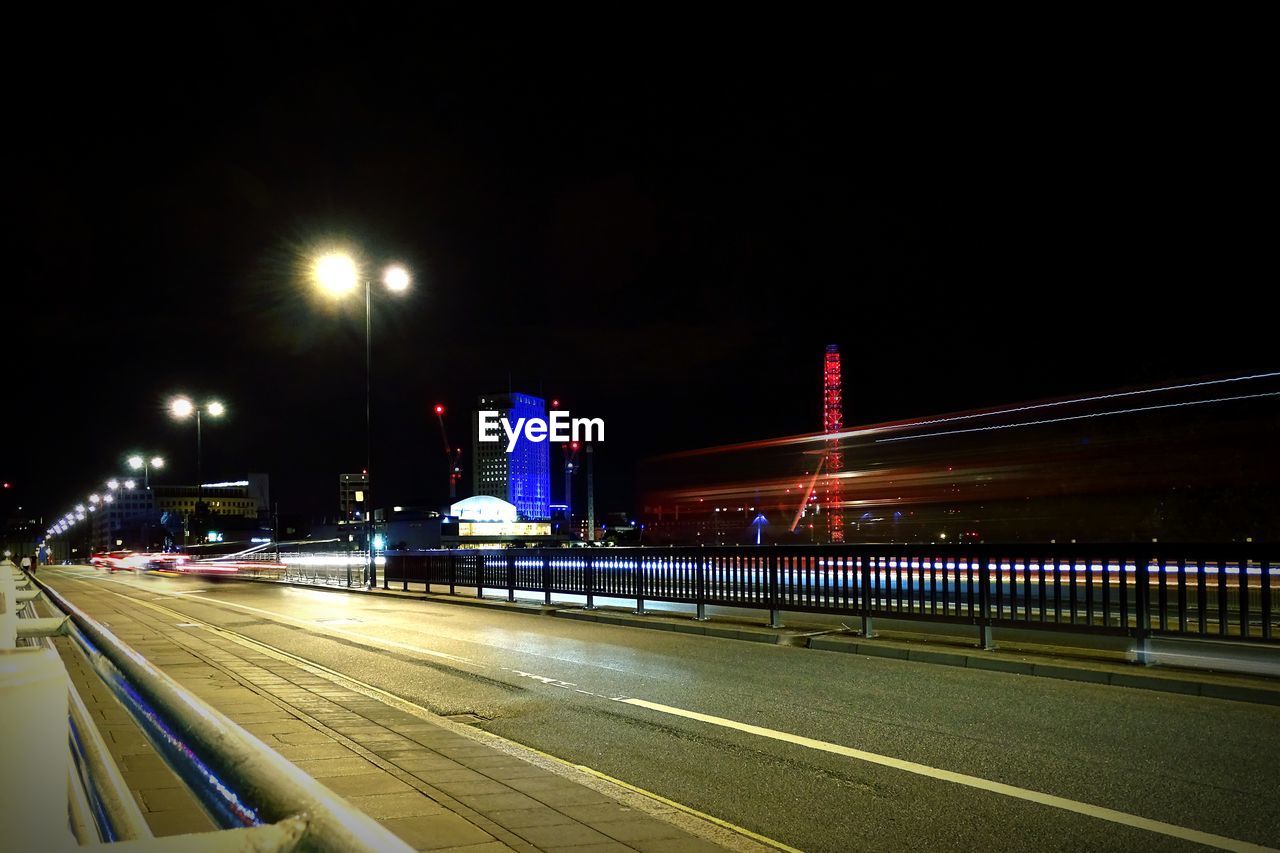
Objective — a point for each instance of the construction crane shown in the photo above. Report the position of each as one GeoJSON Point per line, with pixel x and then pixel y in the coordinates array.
{"type": "Point", "coordinates": [570, 451]}
{"type": "Point", "coordinates": [571, 466]}
{"type": "Point", "coordinates": [452, 455]}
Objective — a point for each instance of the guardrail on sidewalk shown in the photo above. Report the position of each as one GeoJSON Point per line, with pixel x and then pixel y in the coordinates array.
{"type": "Point", "coordinates": [238, 780]}
{"type": "Point", "coordinates": [1140, 591]}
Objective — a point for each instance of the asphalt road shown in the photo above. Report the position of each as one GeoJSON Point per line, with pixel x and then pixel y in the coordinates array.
{"type": "Point", "coordinates": [721, 725]}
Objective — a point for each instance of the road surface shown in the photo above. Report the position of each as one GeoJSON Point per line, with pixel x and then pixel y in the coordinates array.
{"type": "Point", "coordinates": [816, 750]}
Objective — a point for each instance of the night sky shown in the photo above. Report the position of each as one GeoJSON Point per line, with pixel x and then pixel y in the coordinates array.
{"type": "Point", "coordinates": [662, 235]}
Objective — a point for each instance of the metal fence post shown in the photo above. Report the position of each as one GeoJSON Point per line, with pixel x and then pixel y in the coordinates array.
{"type": "Point", "coordinates": [546, 578]}
{"type": "Point", "coordinates": [637, 574]}
{"type": "Point", "coordinates": [701, 589]}
{"type": "Point", "coordinates": [985, 640]}
{"type": "Point", "coordinates": [511, 576]}
{"type": "Point", "coordinates": [1265, 602]}
{"type": "Point", "coordinates": [775, 616]}
{"type": "Point", "coordinates": [480, 575]}
{"type": "Point", "coordinates": [590, 578]}
{"type": "Point", "coordinates": [1142, 593]}
{"type": "Point", "coordinates": [453, 573]}
{"type": "Point", "coordinates": [864, 577]}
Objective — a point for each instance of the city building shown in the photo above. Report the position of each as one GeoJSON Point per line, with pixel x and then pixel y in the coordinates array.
{"type": "Point", "coordinates": [166, 516]}
{"type": "Point", "coordinates": [521, 477]}
{"type": "Point", "coordinates": [409, 528]}
{"type": "Point", "coordinates": [130, 520]}
{"type": "Point", "coordinates": [351, 491]}
{"type": "Point", "coordinates": [484, 521]}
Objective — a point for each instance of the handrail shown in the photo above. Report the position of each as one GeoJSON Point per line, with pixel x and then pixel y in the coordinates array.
{"type": "Point", "coordinates": [112, 807]}
{"type": "Point", "coordinates": [237, 778]}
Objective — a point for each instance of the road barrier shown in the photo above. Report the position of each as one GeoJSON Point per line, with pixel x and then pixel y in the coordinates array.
{"type": "Point", "coordinates": [1139, 591]}
{"type": "Point", "coordinates": [240, 782]}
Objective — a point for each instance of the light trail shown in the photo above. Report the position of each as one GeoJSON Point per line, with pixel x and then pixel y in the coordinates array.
{"type": "Point", "coordinates": [897, 426]}
{"type": "Point", "coordinates": [1065, 419]}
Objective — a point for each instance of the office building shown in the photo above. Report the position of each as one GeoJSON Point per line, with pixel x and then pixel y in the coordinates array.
{"type": "Point", "coordinates": [521, 477]}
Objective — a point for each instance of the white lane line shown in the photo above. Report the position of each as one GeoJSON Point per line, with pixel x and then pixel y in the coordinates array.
{"type": "Point", "coordinates": [1206, 838]}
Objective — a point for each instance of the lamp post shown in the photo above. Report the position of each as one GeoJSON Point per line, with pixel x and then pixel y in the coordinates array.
{"type": "Point", "coordinates": [146, 463]}
{"type": "Point", "coordinates": [337, 275]}
{"type": "Point", "coordinates": [182, 408]}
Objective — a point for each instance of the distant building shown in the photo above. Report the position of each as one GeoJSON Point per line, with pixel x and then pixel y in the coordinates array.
{"type": "Point", "coordinates": [142, 519]}
{"type": "Point", "coordinates": [352, 489]}
{"type": "Point", "coordinates": [130, 521]}
{"type": "Point", "coordinates": [521, 477]}
{"type": "Point", "coordinates": [485, 522]}
{"type": "Point", "coordinates": [230, 498]}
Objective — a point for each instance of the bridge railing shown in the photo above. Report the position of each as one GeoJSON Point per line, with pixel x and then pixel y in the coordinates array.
{"type": "Point", "coordinates": [1192, 590]}
{"type": "Point", "coordinates": [242, 784]}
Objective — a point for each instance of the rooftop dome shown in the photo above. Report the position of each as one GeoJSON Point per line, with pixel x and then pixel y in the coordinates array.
{"type": "Point", "coordinates": [483, 508]}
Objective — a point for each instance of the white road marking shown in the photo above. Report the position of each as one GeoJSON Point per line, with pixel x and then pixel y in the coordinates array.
{"type": "Point", "coordinates": [1206, 838]}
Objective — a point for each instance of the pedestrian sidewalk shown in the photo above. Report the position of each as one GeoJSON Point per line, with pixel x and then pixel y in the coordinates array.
{"type": "Point", "coordinates": [437, 784]}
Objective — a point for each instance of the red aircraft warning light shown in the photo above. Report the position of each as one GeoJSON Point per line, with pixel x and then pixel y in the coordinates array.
{"type": "Point", "coordinates": [439, 409]}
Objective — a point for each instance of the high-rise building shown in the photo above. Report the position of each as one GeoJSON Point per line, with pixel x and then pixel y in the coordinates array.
{"type": "Point", "coordinates": [521, 477]}
{"type": "Point", "coordinates": [351, 501]}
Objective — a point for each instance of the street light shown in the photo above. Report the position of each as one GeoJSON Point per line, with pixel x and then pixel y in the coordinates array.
{"type": "Point", "coordinates": [182, 408]}
{"type": "Point", "coordinates": [137, 461]}
{"type": "Point", "coordinates": [336, 274]}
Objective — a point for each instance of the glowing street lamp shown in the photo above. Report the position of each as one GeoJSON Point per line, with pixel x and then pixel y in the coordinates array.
{"type": "Point", "coordinates": [138, 461]}
{"type": "Point", "coordinates": [182, 408]}
{"type": "Point", "coordinates": [336, 274]}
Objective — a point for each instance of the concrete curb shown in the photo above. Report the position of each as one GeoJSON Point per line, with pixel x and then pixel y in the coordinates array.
{"type": "Point", "coordinates": [893, 649]}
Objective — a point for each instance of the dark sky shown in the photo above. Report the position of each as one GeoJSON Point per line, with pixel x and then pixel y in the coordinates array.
{"type": "Point", "coordinates": [664, 235]}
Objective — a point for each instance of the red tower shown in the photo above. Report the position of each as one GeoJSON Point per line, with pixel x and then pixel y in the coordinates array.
{"type": "Point", "coordinates": [832, 422]}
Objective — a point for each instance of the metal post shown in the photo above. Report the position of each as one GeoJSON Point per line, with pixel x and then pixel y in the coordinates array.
{"type": "Point", "coordinates": [1142, 632]}
{"type": "Point", "coordinates": [546, 578]}
{"type": "Point", "coordinates": [591, 495]}
{"type": "Point", "coordinates": [702, 590]}
{"type": "Point", "coordinates": [590, 572]}
{"type": "Point", "coordinates": [868, 624]}
{"type": "Point", "coordinates": [480, 575]}
{"type": "Point", "coordinates": [199, 463]}
{"type": "Point", "coordinates": [511, 576]}
{"type": "Point", "coordinates": [775, 616]}
{"type": "Point", "coordinates": [985, 641]}
{"type": "Point", "coordinates": [371, 569]}
{"type": "Point", "coordinates": [638, 576]}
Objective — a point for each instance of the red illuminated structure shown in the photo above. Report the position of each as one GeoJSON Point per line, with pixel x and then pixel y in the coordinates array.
{"type": "Point", "coordinates": [452, 456]}
{"type": "Point", "coordinates": [832, 422]}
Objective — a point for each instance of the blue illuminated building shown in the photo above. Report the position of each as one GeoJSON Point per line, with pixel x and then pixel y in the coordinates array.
{"type": "Point", "coordinates": [523, 476]}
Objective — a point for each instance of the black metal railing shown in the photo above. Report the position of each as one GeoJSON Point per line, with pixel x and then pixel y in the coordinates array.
{"type": "Point", "coordinates": [1193, 590]}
